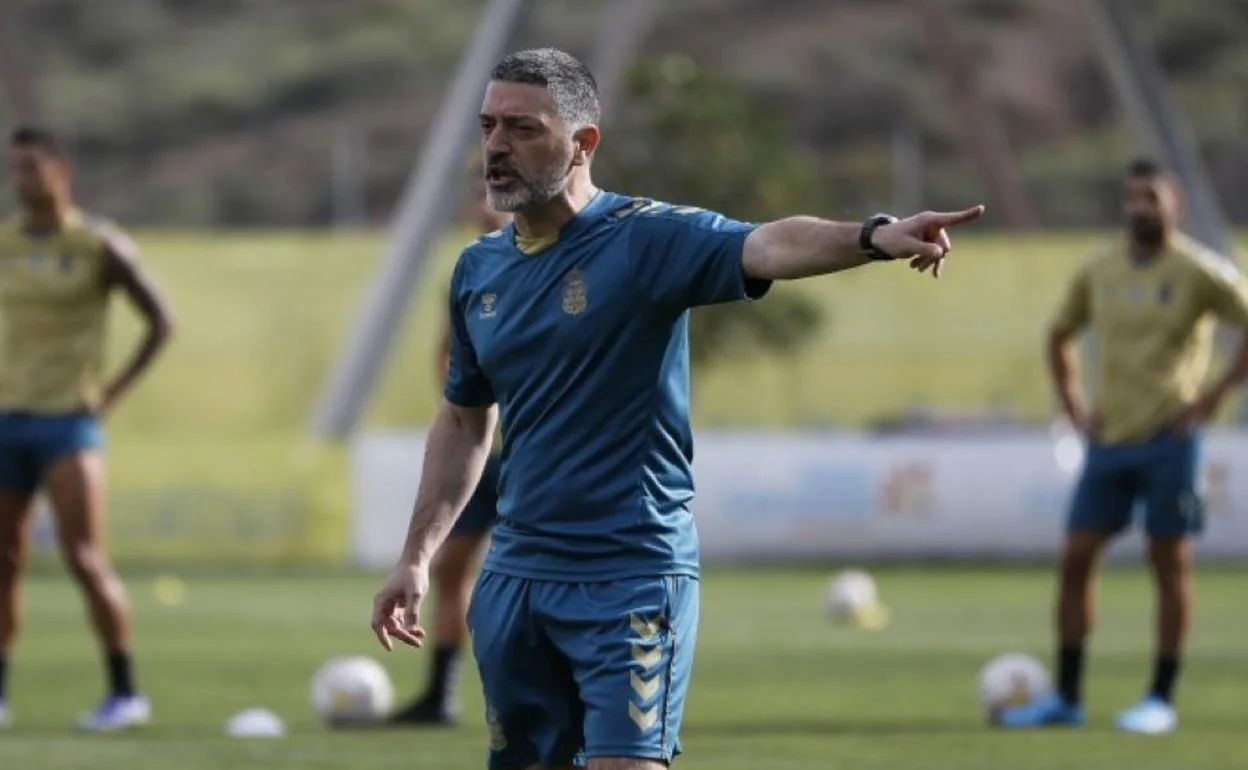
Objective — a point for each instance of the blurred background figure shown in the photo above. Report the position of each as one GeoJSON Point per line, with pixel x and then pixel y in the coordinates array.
{"type": "Point", "coordinates": [1152, 301]}
{"type": "Point", "coordinates": [60, 266]}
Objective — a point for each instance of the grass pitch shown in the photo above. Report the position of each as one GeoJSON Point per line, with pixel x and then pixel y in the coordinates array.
{"type": "Point", "coordinates": [776, 685]}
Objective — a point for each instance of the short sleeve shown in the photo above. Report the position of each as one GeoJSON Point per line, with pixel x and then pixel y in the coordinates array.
{"type": "Point", "coordinates": [466, 384]}
{"type": "Point", "coordinates": [1226, 292]}
{"type": "Point", "coordinates": [1075, 310]}
{"type": "Point", "coordinates": [687, 257]}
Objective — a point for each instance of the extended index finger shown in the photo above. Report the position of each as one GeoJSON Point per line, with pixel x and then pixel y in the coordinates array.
{"type": "Point", "coordinates": [948, 219]}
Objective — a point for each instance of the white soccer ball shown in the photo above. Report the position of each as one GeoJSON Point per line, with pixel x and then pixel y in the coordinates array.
{"type": "Point", "coordinates": [352, 690]}
{"type": "Point", "coordinates": [851, 594]}
{"type": "Point", "coordinates": [1013, 679]}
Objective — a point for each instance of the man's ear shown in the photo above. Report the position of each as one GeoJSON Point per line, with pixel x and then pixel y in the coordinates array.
{"type": "Point", "coordinates": [586, 141]}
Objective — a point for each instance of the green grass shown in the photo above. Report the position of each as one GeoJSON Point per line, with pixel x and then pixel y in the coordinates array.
{"type": "Point", "coordinates": [776, 685]}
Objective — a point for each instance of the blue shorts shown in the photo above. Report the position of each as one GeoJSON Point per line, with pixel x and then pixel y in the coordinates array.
{"type": "Point", "coordinates": [1160, 473]}
{"type": "Point", "coordinates": [478, 517]}
{"type": "Point", "coordinates": [31, 443]}
{"type": "Point", "coordinates": [573, 671]}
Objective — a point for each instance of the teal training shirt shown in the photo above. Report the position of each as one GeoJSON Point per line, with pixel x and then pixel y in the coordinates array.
{"type": "Point", "coordinates": [585, 348]}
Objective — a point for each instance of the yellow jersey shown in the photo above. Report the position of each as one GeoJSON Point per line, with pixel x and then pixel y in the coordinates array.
{"type": "Point", "coordinates": [1153, 325]}
{"type": "Point", "coordinates": [53, 313]}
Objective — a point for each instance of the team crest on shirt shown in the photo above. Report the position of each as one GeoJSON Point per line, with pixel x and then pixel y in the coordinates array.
{"type": "Point", "coordinates": [65, 262]}
{"type": "Point", "coordinates": [1165, 293]}
{"type": "Point", "coordinates": [575, 294]}
{"type": "Point", "coordinates": [489, 302]}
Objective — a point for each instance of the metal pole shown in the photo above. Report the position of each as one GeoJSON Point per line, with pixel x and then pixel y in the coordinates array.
{"type": "Point", "coordinates": [422, 212]}
{"type": "Point", "coordinates": [16, 75]}
{"type": "Point", "coordinates": [1153, 118]}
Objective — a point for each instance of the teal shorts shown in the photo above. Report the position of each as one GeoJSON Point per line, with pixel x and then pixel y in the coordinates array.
{"type": "Point", "coordinates": [574, 671]}
{"type": "Point", "coordinates": [30, 443]}
{"type": "Point", "coordinates": [1158, 477]}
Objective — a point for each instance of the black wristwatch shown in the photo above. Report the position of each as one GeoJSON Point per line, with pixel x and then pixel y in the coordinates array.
{"type": "Point", "coordinates": [868, 231]}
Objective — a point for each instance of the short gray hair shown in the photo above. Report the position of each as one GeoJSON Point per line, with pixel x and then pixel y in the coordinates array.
{"type": "Point", "coordinates": [566, 77]}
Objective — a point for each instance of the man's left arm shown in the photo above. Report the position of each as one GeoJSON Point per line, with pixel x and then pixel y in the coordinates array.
{"type": "Point", "coordinates": [802, 247]}
{"type": "Point", "coordinates": [1226, 296]}
{"type": "Point", "coordinates": [684, 257]}
{"type": "Point", "coordinates": [124, 271]}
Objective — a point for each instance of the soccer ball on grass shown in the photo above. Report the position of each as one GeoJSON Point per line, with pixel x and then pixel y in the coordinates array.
{"type": "Point", "coordinates": [352, 691]}
{"type": "Point", "coordinates": [1011, 680]}
{"type": "Point", "coordinates": [854, 600]}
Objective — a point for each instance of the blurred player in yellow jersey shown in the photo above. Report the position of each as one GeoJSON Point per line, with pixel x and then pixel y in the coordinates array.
{"type": "Point", "coordinates": [455, 569]}
{"type": "Point", "coordinates": [58, 269]}
{"type": "Point", "coordinates": [1151, 304]}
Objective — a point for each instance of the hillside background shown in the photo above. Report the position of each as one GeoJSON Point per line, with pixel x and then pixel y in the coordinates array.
{"type": "Point", "coordinates": [228, 112]}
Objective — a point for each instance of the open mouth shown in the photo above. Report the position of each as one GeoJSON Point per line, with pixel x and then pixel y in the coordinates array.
{"type": "Point", "coordinates": [500, 177]}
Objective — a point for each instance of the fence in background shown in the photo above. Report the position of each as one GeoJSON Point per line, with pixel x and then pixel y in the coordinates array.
{"type": "Point", "coordinates": [776, 496]}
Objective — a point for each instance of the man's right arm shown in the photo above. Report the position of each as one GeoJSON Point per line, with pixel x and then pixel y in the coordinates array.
{"type": "Point", "coordinates": [455, 454]}
{"type": "Point", "coordinates": [1071, 317]}
{"type": "Point", "coordinates": [459, 439]}
{"type": "Point", "coordinates": [444, 356]}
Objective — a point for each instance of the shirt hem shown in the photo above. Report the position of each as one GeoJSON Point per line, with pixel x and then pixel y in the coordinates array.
{"type": "Point", "coordinates": [590, 575]}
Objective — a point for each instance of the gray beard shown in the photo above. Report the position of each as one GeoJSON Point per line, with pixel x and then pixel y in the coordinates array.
{"type": "Point", "coordinates": [527, 193]}
{"type": "Point", "coordinates": [524, 196]}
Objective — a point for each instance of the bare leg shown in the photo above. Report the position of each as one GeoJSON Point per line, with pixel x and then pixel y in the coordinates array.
{"type": "Point", "coordinates": [1171, 559]}
{"type": "Point", "coordinates": [1081, 556]}
{"type": "Point", "coordinates": [75, 485]}
{"type": "Point", "coordinates": [453, 574]}
{"type": "Point", "coordinates": [15, 508]}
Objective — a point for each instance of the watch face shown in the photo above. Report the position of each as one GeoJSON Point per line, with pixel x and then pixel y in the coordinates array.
{"type": "Point", "coordinates": [868, 230]}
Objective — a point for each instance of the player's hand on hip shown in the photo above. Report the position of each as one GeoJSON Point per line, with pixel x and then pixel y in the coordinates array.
{"type": "Point", "coordinates": [396, 607]}
{"type": "Point", "coordinates": [1089, 426]}
{"type": "Point", "coordinates": [1201, 411]}
{"type": "Point", "coordinates": [923, 239]}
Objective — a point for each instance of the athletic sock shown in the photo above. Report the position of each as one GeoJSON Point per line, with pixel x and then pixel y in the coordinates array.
{"type": "Point", "coordinates": [445, 674]}
{"type": "Point", "coordinates": [1165, 673]}
{"type": "Point", "coordinates": [4, 675]}
{"type": "Point", "coordinates": [120, 674]}
{"type": "Point", "coordinates": [1070, 674]}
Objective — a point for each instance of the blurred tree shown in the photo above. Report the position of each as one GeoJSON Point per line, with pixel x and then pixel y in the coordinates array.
{"type": "Point", "coordinates": [692, 137]}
